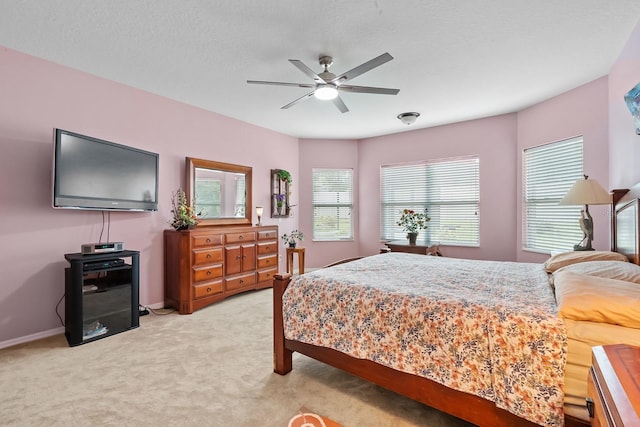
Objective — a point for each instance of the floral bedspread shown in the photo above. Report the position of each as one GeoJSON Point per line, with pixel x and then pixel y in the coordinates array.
{"type": "Point", "coordinates": [483, 327]}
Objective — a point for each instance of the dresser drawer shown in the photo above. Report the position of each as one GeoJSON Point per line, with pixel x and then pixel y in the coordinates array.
{"type": "Point", "coordinates": [267, 261]}
{"type": "Point", "coordinates": [266, 275]}
{"type": "Point", "coordinates": [201, 274]}
{"type": "Point", "coordinates": [207, 256]}
{"type": "Point", "coordinates": [202, 240]}
{"type": "Point", "coordinates": [267, 248]}
{"type": "Point", "coordinates": [207, 289]}
{"type": "Point", "coordinates": [248, 236]}
{"type": "Point", "coordinates": [267, 235]}
{"type": "Point", "coordinates": [239, 282]}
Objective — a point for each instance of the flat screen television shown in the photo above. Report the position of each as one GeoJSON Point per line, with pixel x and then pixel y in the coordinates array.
{"type": "Point", "coordinates": [89, 173]}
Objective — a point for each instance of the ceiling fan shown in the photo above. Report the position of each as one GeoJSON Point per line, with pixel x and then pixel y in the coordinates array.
{"type": "Point", "coordinates": [327, 85]}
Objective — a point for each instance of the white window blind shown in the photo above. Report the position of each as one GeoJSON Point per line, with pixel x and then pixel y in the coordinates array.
{"type": "Point", "coordinates": [549, 172]}
{"type": "Point", "coordinates": [449, 189]}
{"type": "Point", "coordinates": [332, 204]}
{"type": "Point", "coordinates": [241, 197]}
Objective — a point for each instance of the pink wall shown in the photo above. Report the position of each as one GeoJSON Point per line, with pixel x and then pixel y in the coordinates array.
{"type": "Point", "coordinates": [316, 153]}
{"type": "Point", "coordinates": [624, 143]}
{"type": "Point", "coordinates": [38, 96]}
{"type": "Point", "coordinates": [492, 139]}
{"type": "Point", "coordinates": [582, 111]}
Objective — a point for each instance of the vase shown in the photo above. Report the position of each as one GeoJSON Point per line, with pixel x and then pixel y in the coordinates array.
{"type": "Point", "coordinates": [186, 227]}
{"type": "Point", "coordinates": [412, 238]}
{"type": "Point", "coordinates": [280, 210]}
{"type": "Point", "coordinates": [292, 244]}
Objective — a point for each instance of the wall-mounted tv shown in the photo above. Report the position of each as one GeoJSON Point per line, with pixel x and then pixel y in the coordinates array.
{"type": "Point", "coordinates": [89, 173]}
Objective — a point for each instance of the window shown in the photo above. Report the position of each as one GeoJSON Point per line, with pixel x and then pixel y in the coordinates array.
{"type": "Point", "coordinates": [209, 201]}
{"type": "Point", "coordinates": [332, 204]}
{"type": "Point", "coordinates": [449, 189]}
{"type": "Point", "coordinates": [549, 172]}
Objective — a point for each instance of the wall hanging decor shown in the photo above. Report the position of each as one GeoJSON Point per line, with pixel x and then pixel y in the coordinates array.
{"type": "Point", "coordinates": [280, 193]}
{"type": "Point", "coordinates": [632, 98]}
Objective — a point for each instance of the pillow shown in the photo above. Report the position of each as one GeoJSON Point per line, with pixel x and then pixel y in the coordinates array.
{"type": "Point", "coordinates": [626, 271]}
{"type": "Point", "coordinates": [597, 299]}
{"type": "Point", "coordinates": [568, 258]}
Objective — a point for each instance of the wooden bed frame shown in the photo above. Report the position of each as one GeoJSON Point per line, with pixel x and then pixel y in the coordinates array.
{"type": "Point", "coordinates": [463, 405]}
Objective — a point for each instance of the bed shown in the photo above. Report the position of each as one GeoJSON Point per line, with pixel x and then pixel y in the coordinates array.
{"type": "Point", "coordinates": [484, 341]}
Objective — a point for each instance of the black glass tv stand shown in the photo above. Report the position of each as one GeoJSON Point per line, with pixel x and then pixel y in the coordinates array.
{"type": "Point", "coordinates": [101, 295]}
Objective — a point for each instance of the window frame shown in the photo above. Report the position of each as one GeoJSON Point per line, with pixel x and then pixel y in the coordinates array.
{"type": "Point", "coordinates": [349, 205]}
{"type": "Point", "coordinates": [560, 221]}
{"type": "Point", "coordinates": [463, 205]}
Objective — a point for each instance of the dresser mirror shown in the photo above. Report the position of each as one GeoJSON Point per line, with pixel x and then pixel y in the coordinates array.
{"type": "Point", "coordinates": [219, 192]}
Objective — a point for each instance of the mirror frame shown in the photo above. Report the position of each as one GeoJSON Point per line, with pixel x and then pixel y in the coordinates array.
{"type": "Point", "coordinates": [193, 163]}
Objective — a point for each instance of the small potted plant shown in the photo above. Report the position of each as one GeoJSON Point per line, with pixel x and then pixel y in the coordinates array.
{"type": "Point", "coordinates": [184, 216]}
{"type": "Point", "coordinates": [412, 222]}
{"type": "Point", "coordinates": [292, 238]}
{"type": "Point", "coordinates": [284, 175]}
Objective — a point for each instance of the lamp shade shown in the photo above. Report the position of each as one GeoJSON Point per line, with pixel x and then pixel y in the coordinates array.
{"type": "Point", "coordinates": [586, 192]}
{"type": "Point", "coordinates": [259, 210]}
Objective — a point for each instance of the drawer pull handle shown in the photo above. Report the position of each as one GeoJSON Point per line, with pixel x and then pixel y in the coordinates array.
{"type": "Point", "coordinates": [208, 272]}
{"type": "Point", "coordinates": [590, 406]}
{"type": "Point", "coordinates": [268, 248]}
{"type": "Point", "coordinates": [241, 281]}
{"type": "Point", "coordinates": [238, 257]}
{"type": "Point", "coordinates": [240, 237]}
{"type": "Point", "coordinates": [208, 240]}
{"type": "Point", "coordinates": [208, 290]}
{"type": "Point", "coordinates": [208, 256]}
{"type": "Point", "coordinates": [244, 257]}
{"type": "Point", "coordinates": [268, 261]}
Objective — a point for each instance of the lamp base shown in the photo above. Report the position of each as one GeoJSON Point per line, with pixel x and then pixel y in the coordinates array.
{"type": "Point", "coordinates": [581, 248]}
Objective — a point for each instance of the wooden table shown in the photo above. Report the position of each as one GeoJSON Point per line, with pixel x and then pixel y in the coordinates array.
{"type": "Point", "coordinates": [300, 252]}
{"type": "Point", "coordinates": [420, 247]}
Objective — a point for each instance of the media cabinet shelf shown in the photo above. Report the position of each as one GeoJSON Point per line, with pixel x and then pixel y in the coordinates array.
{"type": "Point", "coordinates": [101, 298]}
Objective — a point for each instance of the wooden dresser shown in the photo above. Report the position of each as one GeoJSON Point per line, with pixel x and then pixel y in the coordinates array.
{"type": "Point", "coordinates": [208, 264]}
{"type": "Point", "coordinates": [613, 386]}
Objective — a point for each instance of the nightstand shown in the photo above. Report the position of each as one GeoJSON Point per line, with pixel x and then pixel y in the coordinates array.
{"type": "Point", "coordinates": [422, 248]}
{"type": "Point", "coordinates": [613, 386]}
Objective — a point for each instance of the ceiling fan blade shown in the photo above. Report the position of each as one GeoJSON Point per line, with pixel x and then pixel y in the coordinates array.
{"type": "Point", "coordinates": [260, 82]}
{"type": "Point", "coordinates": [302, 98]}
{"type": "Point", "coordinates": [337, 101]}
{"type": "Point", "coordinates": [363, 68]}
{"type": "Point", "coordinates": [368, 89]}
{"type": "Point", "coordinates": [308, 71]}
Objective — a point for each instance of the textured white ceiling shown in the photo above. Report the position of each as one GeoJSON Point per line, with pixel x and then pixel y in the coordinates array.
{"type": "Point", "coordinates": [454, 59]}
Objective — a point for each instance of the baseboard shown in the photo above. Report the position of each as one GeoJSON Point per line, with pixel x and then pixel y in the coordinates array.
{"type": "Point", "coordinates": [51, 332]}
{"type": "Point", "coordinates": [32, 337]}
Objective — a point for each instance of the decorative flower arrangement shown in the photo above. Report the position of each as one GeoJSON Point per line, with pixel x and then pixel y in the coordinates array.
{"type": "Point", "coordinates": [412, 221]}
{"type": "Point", "coordinates": [183, 214]}
{"type": "Point", "coordinates": [292, 237]}
{"type": "Point", "coordinates": [280, 198]}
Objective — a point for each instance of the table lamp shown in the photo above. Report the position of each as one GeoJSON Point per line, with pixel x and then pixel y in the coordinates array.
{"type": "Point", "coordinates": [259, 211]}
{"type": "Point", "coordinates": [586, 192]}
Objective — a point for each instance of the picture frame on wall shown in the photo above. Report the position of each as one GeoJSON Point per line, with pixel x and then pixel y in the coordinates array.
{"type": "Point", "coordinates": [632, 98]}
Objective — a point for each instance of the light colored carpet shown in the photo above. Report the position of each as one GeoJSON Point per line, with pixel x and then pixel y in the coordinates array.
{"type": "Point", "coordinates": [211, 368]}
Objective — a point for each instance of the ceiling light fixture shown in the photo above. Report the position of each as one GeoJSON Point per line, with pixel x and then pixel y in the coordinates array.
{"type": "Point", "coordinates": [408, 118]}
{"type": "Point", "coordinates": [325, 92]}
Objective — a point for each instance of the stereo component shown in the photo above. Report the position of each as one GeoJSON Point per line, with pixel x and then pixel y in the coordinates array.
{"type": "Point", "coordinates": [100, 248]}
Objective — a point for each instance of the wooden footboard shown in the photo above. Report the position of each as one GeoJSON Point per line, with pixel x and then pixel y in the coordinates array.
{"type": "Point", "coordinates": [466, 406]}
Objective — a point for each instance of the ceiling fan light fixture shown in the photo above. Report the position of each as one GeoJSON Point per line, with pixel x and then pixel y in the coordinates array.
{"type": "Point", "coordinates": [325, 92]}
{"type": "Point", "coordinates": [408, 118]}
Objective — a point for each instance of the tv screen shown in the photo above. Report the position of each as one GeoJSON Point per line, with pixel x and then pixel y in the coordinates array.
{"type": "Point", "coordinates": [89, 173]}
